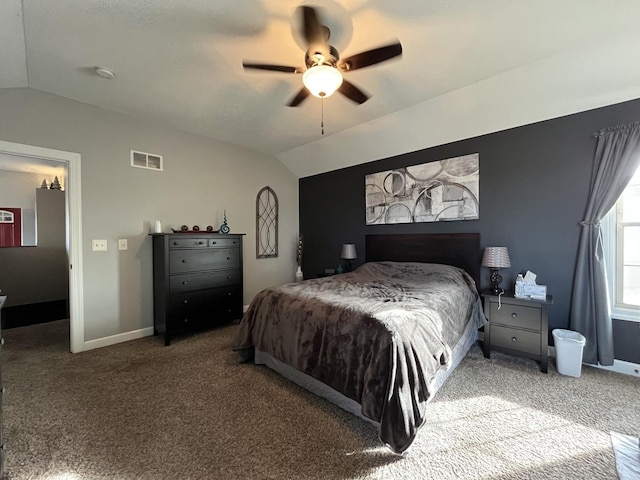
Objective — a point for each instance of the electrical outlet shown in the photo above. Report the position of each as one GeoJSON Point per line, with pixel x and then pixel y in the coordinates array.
{"type": "Point", "coordinates": [122, 244]}
{"type": "Point", "coordinates": [98, 245]}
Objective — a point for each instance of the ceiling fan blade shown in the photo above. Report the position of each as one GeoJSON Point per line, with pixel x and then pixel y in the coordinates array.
{"type": "Point", "coordinates": [371, 57]}
{"type": "Point", "coordinates": [311, 28]}
{"type": "Point", "coordinates": [352, 92]}
{"type": "Point", "coordinates": [300, 96]}
{"type": "Point", "coordinates": [274, 68]}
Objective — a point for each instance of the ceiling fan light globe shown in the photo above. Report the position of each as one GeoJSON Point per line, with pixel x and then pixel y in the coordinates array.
{"type": "Point", "coordinates": [322, 80]}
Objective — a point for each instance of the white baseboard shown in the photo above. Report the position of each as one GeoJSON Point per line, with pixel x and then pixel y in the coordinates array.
{"type": "Point", "coordinates": [119, 338]}
{"type": "Point", "coordinates": [620, 366]}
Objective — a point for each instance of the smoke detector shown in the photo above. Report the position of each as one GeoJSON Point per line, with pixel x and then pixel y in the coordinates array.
{"type": "Point", "coordinates": [104, 72]}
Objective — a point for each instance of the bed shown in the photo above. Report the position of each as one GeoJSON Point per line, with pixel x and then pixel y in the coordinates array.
{"type": "Point", "coordinates": [378, 341]}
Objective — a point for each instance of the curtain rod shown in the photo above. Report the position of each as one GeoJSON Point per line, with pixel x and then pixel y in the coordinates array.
{"type": "Point", "coordinates": [601, 132]}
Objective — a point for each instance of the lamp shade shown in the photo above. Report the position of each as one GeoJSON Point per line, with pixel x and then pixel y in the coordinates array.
{"type": "Point", "coordinates": [322, 80]}
{"type": "Point", "coordinates": [348, 251]}
{"type": "Point", "coordinates": [496, 257]}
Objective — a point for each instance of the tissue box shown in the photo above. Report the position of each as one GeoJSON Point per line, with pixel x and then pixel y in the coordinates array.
{"type": "Point", "coordinates": [538, 292]}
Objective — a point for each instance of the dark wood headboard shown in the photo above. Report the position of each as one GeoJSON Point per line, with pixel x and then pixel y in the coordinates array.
{"type": "Point", "coordinates": [461, 250]}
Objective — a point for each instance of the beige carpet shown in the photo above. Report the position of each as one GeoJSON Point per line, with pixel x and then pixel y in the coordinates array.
{"type": "Point", "coordinates": [189, 411]}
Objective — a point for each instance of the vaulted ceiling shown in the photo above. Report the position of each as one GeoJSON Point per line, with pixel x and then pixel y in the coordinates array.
{"type": "Point", "coordinates": [468, 67]}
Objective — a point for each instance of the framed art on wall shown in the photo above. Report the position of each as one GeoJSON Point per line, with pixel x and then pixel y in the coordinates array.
{"type": "Point", "coordinates": [443, 190]}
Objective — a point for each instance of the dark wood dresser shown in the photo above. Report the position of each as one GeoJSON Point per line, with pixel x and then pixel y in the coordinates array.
{"type": "Point", "coordinates": [197, 281]}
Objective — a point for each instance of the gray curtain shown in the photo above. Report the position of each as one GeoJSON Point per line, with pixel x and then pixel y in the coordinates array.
{"type": "Point", "coordinates": [616, 158]}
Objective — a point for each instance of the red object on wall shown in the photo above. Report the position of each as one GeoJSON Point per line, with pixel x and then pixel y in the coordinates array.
{"type": "Point", "coordinates": [11, 233]}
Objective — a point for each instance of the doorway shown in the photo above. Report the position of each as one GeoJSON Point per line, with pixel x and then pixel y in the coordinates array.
{"type": "Point", "coordinates": [73, 210]}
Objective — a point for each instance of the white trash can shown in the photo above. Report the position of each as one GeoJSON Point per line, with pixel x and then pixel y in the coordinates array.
{"type": "Point", "coordinates": [569, 347]}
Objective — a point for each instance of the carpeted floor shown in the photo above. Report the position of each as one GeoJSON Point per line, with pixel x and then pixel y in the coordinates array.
{"type": "Point", "coordinates": [140, 410]}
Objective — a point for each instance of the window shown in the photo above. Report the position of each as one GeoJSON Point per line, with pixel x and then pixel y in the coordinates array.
{"type": "Point", "coordinates": [621, 240]}
{"type": "Point", "coordinates": [6, 217]}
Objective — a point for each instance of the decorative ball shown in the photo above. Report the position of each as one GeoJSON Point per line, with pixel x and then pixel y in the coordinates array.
{"type": "Point", "coordinates": [184, 228]}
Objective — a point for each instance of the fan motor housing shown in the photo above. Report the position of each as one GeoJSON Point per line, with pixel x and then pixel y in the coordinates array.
{"type": "Point", "coordinates": [315, 56]}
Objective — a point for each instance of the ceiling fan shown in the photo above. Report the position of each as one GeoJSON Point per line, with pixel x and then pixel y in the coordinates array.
{"type": "Point", "coordinates": [324, 67]}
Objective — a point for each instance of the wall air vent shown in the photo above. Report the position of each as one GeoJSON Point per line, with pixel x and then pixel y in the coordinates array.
{"type": "Point", "coordinates": [149, 161]}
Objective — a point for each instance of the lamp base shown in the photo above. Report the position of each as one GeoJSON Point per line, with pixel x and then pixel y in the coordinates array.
{"type": "Point", "coordinates": [495, 280]}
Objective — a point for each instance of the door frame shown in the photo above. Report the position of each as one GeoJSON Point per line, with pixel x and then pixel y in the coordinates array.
{"type": "Point", "coordinates": [73, 207]}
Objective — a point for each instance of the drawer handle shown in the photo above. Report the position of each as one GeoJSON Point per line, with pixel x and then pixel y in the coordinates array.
{"type": "Point", "coordinates": [214, 242]}
{"type": "Point", "coordinates": [229, 294]}
{"type": "Point", "coordinates": [514, 339]}
{"type": "Point", "coordinates": [175, 243]}
{"type": "Point", "coordinates": [514, 315]}
{"type": "Point", "coordinates": [186, 320]}
{"type": "Point", "coordinates": [2, 341]}
{"type": "Point", "coordinates": [184, 260]}
{"type": "Point", "coordinates": [186, 301]}
{"type": "Point", "coordinates": [184, 283]}
{"type": "Point", "coordinates": [228, 277]}
{"type": "Point", "coordinates": [200, 243]}
{"type": "Point", "coordinates": [228, 258]}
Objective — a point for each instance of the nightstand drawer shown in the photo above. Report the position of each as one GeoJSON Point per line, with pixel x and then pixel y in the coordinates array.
{"type": "Point", "coordinates": [515, 316]}
{"type": "Point", "coordinates": [515, 339]}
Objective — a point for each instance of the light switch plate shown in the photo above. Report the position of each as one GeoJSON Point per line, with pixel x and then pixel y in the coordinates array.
{"type": "Point", "coordinates": [122, 244]}
{"type": "Point", "coordinates": [98, 245]}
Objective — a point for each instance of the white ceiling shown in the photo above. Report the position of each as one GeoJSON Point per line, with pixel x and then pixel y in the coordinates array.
{"type": "Point", "coordinates": [469, 67]}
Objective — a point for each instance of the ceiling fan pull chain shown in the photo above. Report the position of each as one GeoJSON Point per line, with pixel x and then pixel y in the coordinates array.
{"type": "Point", "coordinates": [322, 114]}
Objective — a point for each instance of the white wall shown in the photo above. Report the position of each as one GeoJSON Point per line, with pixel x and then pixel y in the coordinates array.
{"type": "Point", "coordinates": [201, 178]}
{"type": "Point", "coordinates": [18, 190]}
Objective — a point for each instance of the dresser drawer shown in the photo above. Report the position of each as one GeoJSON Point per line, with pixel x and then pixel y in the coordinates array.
{"type": "Point", "coordinates": [516, 316]}
{"type": "Point", "coordinates": [185, 322]}
{"type": "Point", "coordinates": [224, 242]}
{"type": "Point", "coordinates": [205, 299]}
{"type": "Point", "coordinates": [187, 303]}
{"type": "Point", "coordinates": [515, 339]}
{"type": "Point", "coordinates": [205, 308]}
{"type": "Point", "coordinates": [188, 242]}
{"type": "Point", "coordinates": [199, 281]}
{"type": "Point", "coordinates": [181, 261]}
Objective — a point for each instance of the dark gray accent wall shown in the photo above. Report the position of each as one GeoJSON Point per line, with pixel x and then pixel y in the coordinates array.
{"type": "Point", "coordinates": [533, 188]}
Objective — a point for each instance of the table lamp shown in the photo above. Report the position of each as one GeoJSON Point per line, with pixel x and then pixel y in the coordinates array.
{"type": "Point", "coordinates": [348, 253]}
{"type": "Point", "coordinates": [496, 258]}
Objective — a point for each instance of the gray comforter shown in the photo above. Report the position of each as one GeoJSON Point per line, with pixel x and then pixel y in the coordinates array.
{"type": "Point", "coordinates": [378, 335]}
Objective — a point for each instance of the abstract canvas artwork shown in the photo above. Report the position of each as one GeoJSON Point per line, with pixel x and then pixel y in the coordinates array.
{"type": "Point", "coordinates": [438, 191]}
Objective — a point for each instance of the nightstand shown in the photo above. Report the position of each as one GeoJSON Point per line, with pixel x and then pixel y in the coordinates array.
{"type": "Point", "coordinates": [518, 326]}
